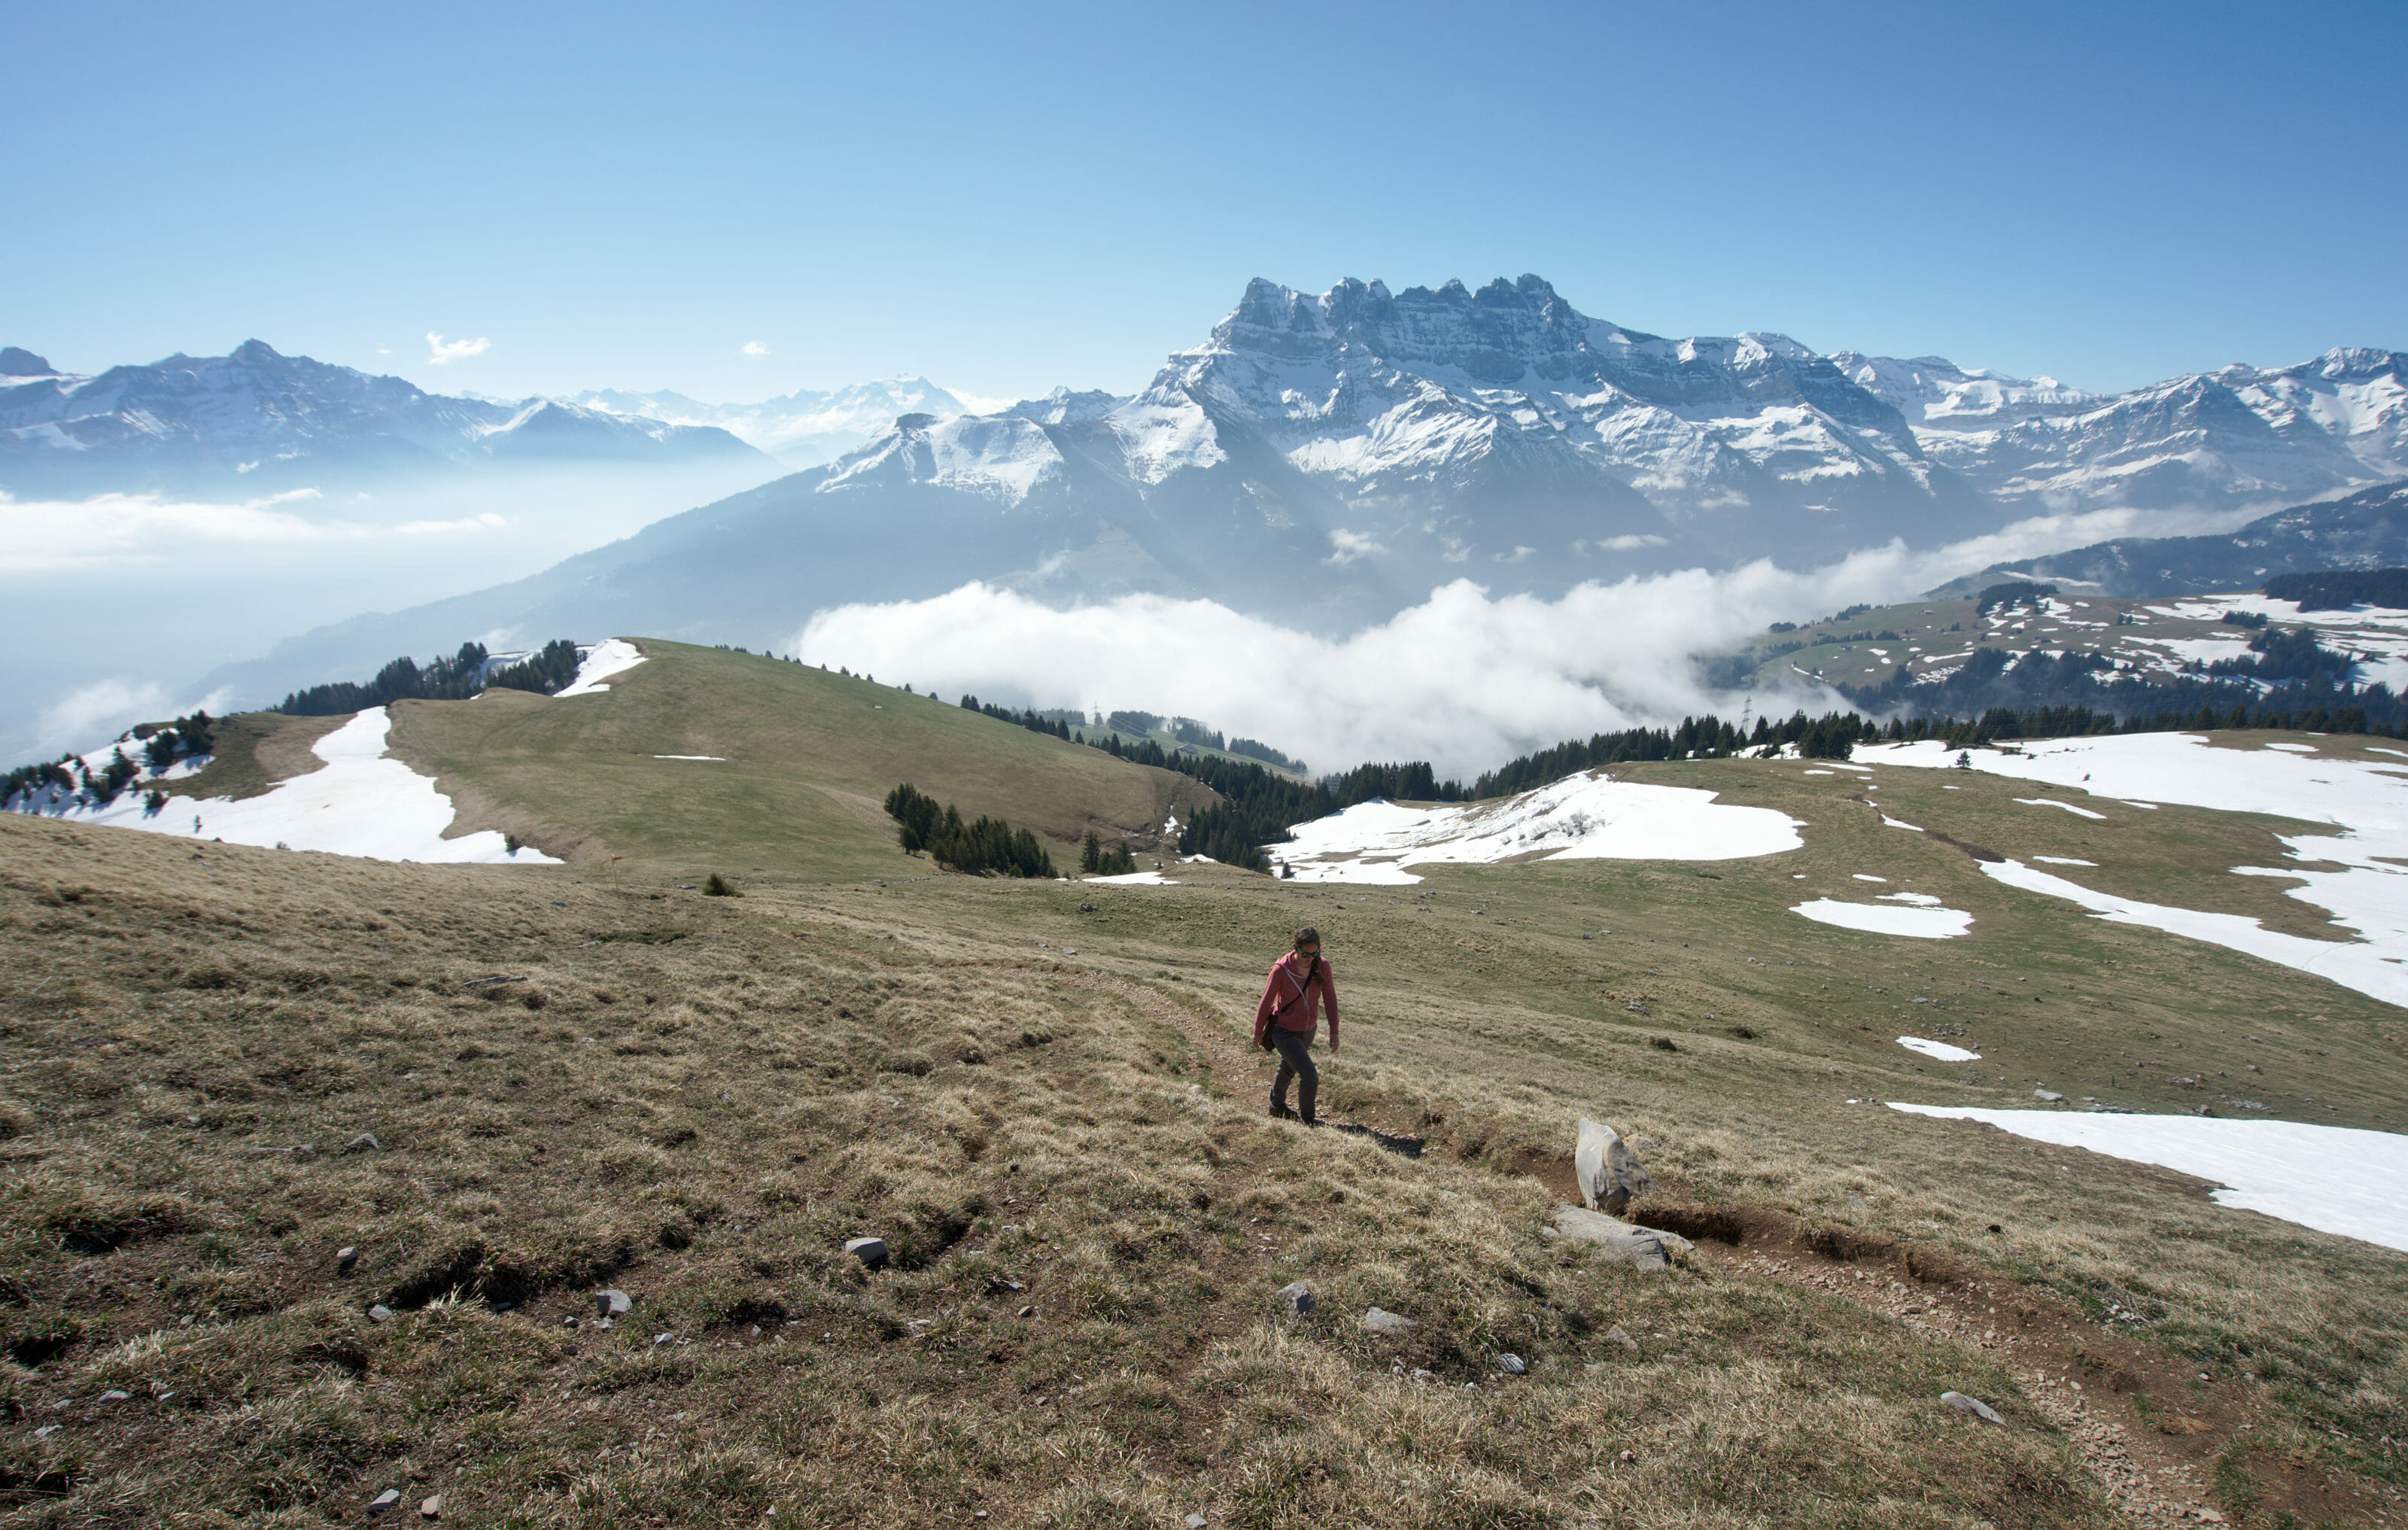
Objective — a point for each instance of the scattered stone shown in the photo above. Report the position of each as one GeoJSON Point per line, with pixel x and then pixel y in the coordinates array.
{"type": "Point", "coordinates": [1609, 1175]}
{"type": "Point", "coordinates": [1974, 1406]}
{"type": "Point", "coordinates": [1626, 1243]}
{"type": "Point", "coordinates": [379, 1313]}
{"type": "Point", "coordinates": [1297, 1296]}
{"type": "Point", "coordinates": [612, 1304]}
{"type": "Point", "coordinates": [1513, 1364]}
{"type": "Point", "coordinates": [870, 1251]}
{"type": "Point", "coordinates": [1380, 1321]}
{"type": "Point", "coordinates": [1421, 1375]}
{"type": "Point", "coordinates": [2049, 1094]}
{"type": "Point", "coordinates": [45, 1431]}
{"type": "Point", "coordinates": [1628, 1455]}
{"type": "Point", "coordinates": [1027, 1311]}
{"type": "Point", "coordinates": [344, 1259]}
{"type": "Point", "coordinates": [659, 1339]}
{"type": "Point", "coordinates": [1196, 1522]}
{"type": "Point", "coordinates": [432, 1508]}
{"type": "Point", "coordinates": [113, 1395]}
{"type": "Point", "coordinates": [389, 1498]}
{"type": "Point", "coordinates": [1618, 1335]}
{"type": "Point", "coordinates": [364, 1142]}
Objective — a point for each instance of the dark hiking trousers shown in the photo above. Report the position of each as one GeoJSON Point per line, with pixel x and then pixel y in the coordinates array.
{"type": "Point", "coordinates": [1296, 1061]}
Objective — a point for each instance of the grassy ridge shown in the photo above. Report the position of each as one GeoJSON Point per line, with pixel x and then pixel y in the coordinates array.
{"type": "Point", "coordinates": [807, 757]}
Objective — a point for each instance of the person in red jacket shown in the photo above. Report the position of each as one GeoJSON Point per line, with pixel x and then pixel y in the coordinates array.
{"type": "Point", "coordinates": [1283, 1021]}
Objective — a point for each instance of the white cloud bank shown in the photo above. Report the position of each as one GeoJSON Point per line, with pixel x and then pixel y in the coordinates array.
{"type": "Point", "coordinates": [443, 352]}
{"type": "Point", "coordinates": [45, 535]}
{"type": "Point", "coordinates": [1465, 680]}
{"type": "Point", "coordinates": [757, 347]}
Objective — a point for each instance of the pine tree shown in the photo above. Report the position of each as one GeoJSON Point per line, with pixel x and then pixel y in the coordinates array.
{"type": "Point", "coordinates": [1091, 855]}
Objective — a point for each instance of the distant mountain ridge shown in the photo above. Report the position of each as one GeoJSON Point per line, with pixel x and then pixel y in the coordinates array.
{"type": "Point", "coordinates": [2366, 530]}
{"type": "Point", "coordinates": [802, 429]}
{"type": "Point", "coordinates": [256, 420]}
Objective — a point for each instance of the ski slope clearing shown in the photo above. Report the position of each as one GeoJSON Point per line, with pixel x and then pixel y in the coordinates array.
{"type": "Point", "coordinates": [2334, 1178]}
{"type": "Point", "coordinates": [362, 802]}
{"type": "Point", "coordinates": [615, 656]}
{"type": "Point", "coordinates": [1921, 923]}
{"type": "Point", "coordinates": [1589, 816]}
{"type": "Point", "coordinates": [2367, 802]}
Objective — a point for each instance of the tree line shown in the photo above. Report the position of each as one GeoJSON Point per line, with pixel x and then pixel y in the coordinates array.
{"type": "Point", "coordinates": [462, 674]}
{"type": "Point", "coordinates": [988, 847]}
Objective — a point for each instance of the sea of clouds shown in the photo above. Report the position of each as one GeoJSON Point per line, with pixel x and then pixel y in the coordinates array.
{"type": "Point", "coordinates": [1465, 680]}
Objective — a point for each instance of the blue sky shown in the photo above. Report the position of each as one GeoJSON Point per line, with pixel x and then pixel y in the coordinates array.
{"type": "Point", "coordinates": [1008, 197]}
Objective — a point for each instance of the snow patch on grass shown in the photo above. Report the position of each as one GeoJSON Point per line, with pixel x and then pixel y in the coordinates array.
{"type": "Point", "coordinates": [1922, 923]}
{"type": "Point", "coordinates": [2337, 1180]}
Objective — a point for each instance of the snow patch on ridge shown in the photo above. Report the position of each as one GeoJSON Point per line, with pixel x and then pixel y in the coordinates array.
{"type": "Point", "coordinates": [1589, 816]}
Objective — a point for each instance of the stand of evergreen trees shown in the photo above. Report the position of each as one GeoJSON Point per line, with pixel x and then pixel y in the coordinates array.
{"type": "Point", "coordinates": [989, 846]}
{"type": "Point", "coordinates": [2338, 590]}
{"type": "Point", "coordinates": [161, 745]}
{"type": "Point", "coordinates": [1034, 721]}
{"type": "Point", "coordinates": [1096, 860]}
{"type": "Point", "coordinates": [454, 679]}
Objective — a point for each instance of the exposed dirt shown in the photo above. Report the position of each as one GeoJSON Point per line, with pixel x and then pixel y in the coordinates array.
{"type": "Point", "coordinates": [2148, 1426]}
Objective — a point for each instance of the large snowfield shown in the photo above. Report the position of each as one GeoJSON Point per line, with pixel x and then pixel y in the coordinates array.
{"type": "Point", "coordinates": [1584, 816]}
{"type": "Point", "coordinates": [2333, 1178]}
{"type": "Point", "coordinates": [2365, 804]}
{"type": "Point", "coordinates": [361, 802]}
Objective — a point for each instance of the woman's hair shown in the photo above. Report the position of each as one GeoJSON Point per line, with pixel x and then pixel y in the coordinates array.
{"type": "Point", "coordinates": [1306, 936]}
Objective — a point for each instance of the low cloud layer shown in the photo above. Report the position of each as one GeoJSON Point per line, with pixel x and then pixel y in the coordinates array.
{"type": "Point", "coordinates": [47, 534]}
{"type": "Point", "coordinates": [1465, 680]}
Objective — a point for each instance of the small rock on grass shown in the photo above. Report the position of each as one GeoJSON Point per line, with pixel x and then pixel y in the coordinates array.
{"type": "Point", "coordinates": [344, 1259]}
{"type": "Point", "coordinates": [113, 1395]}
{"type": "Point", "coordinates": [432, 1508]}
{"type": "Point", "coordinates": [1297, 1296]}
{"type": "Point", "coordinates": [2049, 1094]}
{"type": "Point", "coordinates": [1196, 1522]}
{"type": "Point", "coordinates": [870, 1251]}
{"type": "Point", "coordinates": [1381, 1321]}
{"type": "Point", "coordinates": [612, 1304]}
{"type": "Point", "coordinates": [1513, 1364]}
{"type": "Point", "coordinates": [379, 1313]}
{"type": "Point", "coordinates": [389, 1498]}
{"type": "Point", "coordinates": [1974, 1406]}
{"type": "Point", "coordinates": [364, 1142]}
{"type": "Point", "coordinates": [1618, 1335]}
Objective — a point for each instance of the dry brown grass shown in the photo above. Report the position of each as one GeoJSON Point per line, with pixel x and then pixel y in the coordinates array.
{"type": "Point", "coordinates": [1077, 1329]}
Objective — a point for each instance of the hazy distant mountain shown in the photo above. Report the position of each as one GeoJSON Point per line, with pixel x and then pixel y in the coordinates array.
{"type": "Point", "coordinates": [254, 422]}
{"type": "Point", "coordinates": [803, 429]}
{"type": "Point", "coordinates": [2365, 530]}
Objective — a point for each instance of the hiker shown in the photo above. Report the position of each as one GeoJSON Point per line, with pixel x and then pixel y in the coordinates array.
{"type": "Point", "coordinates": [1283, 1021]}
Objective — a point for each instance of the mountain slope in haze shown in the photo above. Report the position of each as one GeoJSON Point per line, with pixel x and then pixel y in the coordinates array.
{"type": "Point", "coordinates": [2365, 530]}
{"type": "Point", "coordinates": [256, 422]}
{"type": "Point", "coordinates": [802, 429]}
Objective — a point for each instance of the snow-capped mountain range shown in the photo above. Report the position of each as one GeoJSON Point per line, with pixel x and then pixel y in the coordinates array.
{"type": "Point", "coordinates": [254, 422]}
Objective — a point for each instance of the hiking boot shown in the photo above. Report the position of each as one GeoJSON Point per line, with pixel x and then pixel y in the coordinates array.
{"type": "Point", "coordinates": [1280, 1112]}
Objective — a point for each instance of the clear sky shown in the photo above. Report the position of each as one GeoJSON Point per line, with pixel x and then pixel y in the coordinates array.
{"type": "Point", "coordinates": [1005, 197]}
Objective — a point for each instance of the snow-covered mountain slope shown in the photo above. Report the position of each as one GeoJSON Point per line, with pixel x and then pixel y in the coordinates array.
{"type": "Point", "coordinates": [2236, 436]}
{"type": "Point", "coordinates": [802, 429]}
{"type": "Point", "coordinates": [255, 420]}
{"type": "Point", "coordinates": [2368, 529]}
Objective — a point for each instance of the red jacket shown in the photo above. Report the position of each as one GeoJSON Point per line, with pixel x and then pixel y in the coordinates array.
{"type": "Point", "coordinates": [1286, 991]}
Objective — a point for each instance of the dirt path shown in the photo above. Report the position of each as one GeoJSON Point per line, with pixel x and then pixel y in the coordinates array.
{"type": "Point", "coordinates": [2145, 1422]}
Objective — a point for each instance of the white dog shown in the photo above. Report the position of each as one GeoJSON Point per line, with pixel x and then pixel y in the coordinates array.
{"type": "Point", "coordinates": [1609, 1175]}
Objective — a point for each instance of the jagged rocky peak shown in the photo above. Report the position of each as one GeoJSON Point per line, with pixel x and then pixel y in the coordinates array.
{"type": "Point", "coordinates": [17, 363]}
{"type": "Point", "coordinates": [1066, 406]}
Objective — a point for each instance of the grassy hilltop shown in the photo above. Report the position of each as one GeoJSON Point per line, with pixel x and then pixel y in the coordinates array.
{"type": "Point", "coordinates": [1049, 1112]}
{"type": "Point", "coordinates": [805, 758]}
